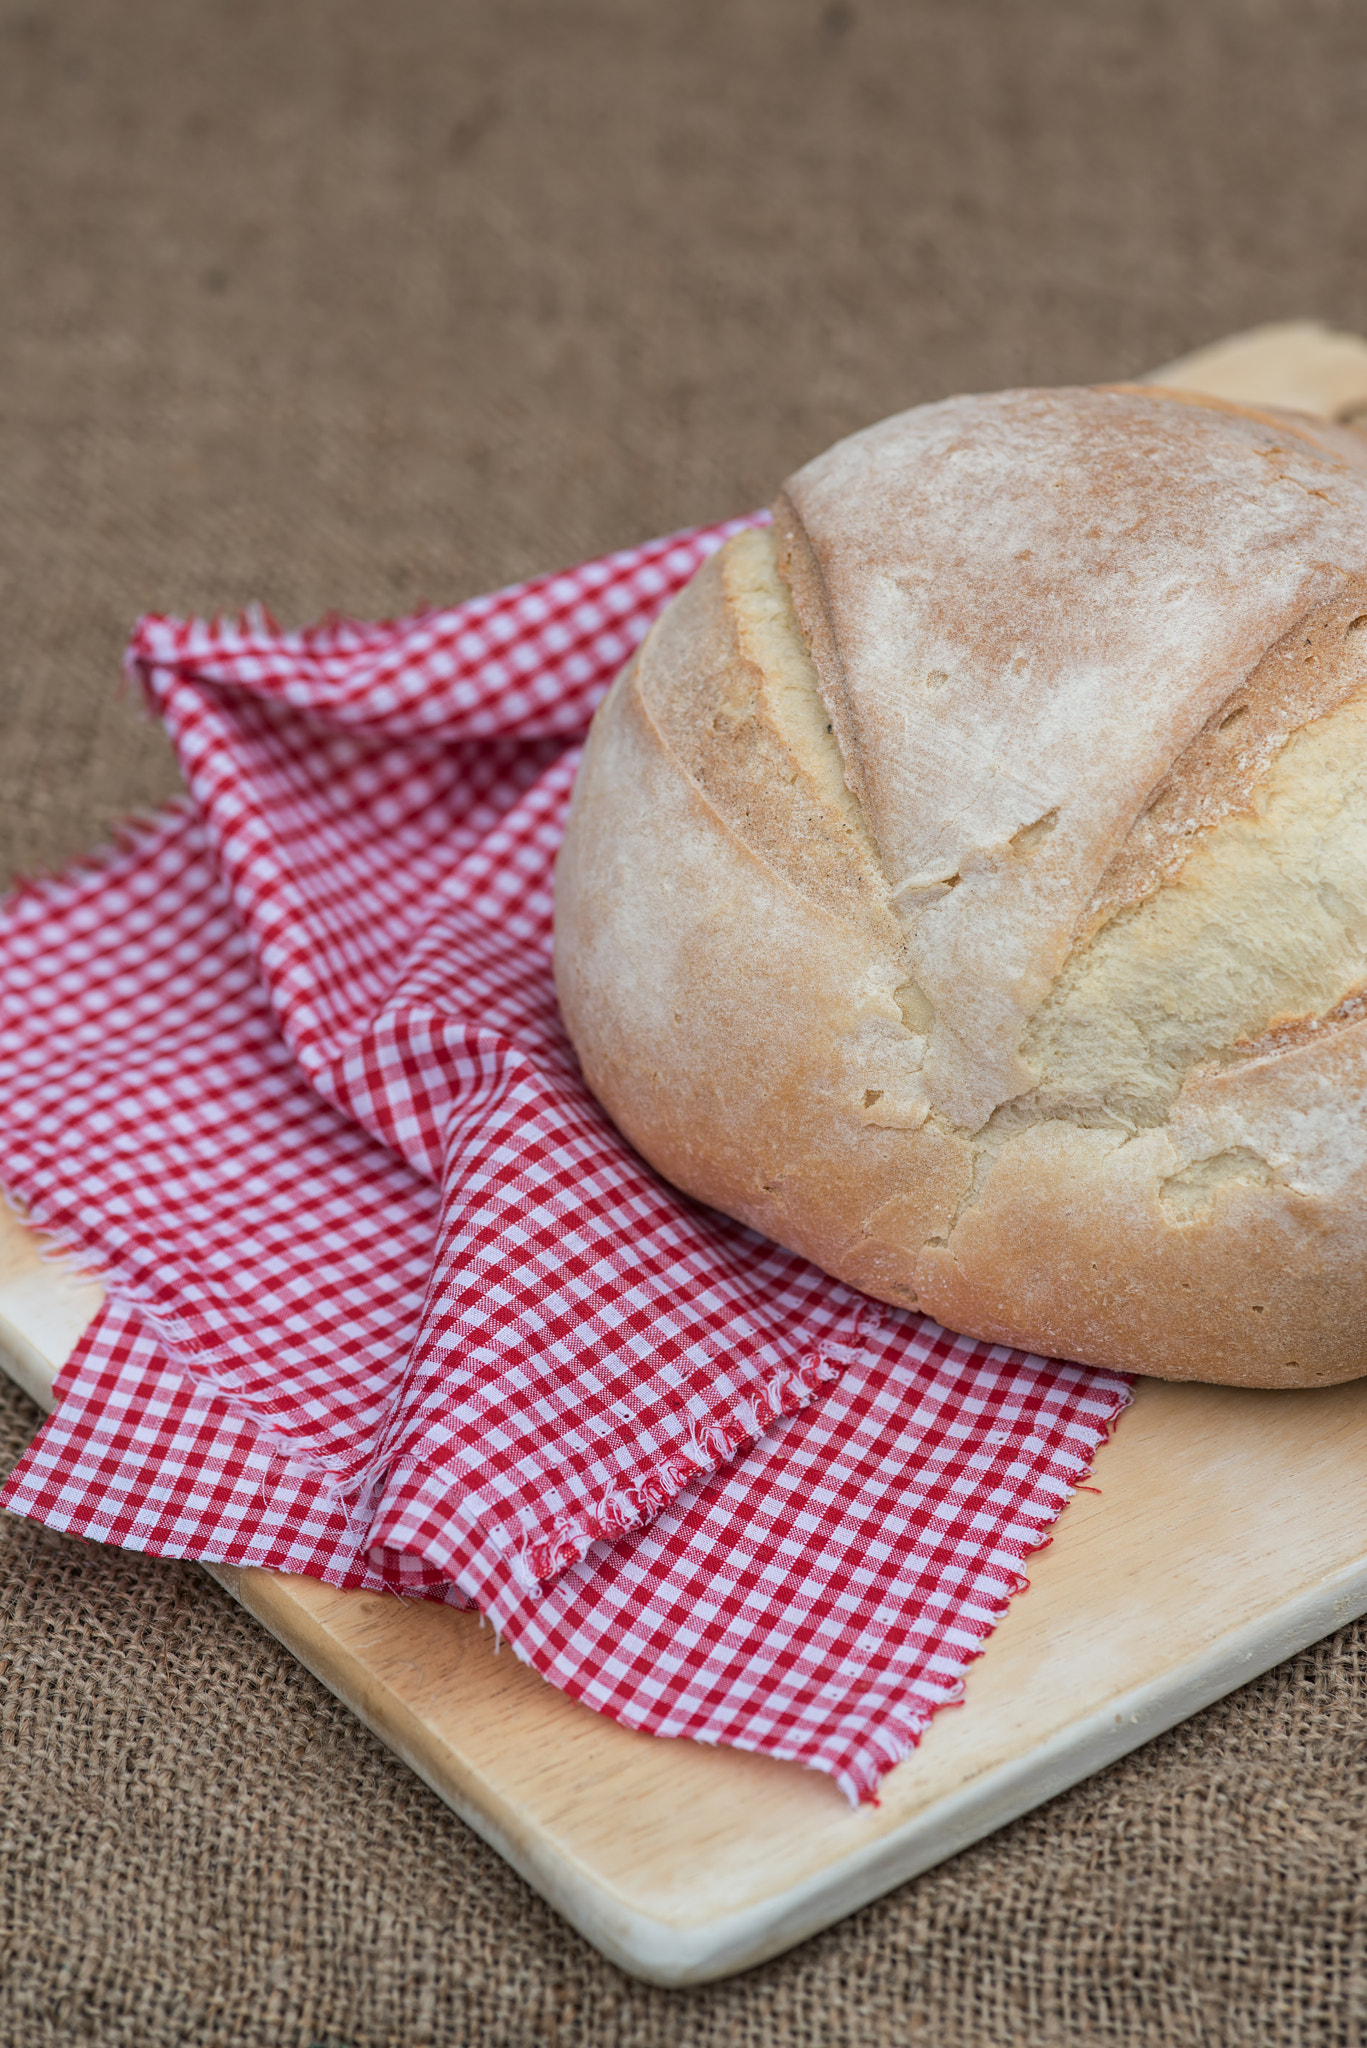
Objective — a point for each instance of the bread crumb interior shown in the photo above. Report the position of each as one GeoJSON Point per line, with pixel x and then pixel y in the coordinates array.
{"type": "Point", "coordinates": [1264, 924]}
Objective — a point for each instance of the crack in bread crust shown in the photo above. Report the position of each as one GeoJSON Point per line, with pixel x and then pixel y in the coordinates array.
{"type": "Point", "coordinates": [1263, 925]}
{"type": "Point", "coordinates": [1309, 672]}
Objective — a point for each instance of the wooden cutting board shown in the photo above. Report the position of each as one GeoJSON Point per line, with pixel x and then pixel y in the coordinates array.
{"type": "Point", "coordinates": [1229, 1530]}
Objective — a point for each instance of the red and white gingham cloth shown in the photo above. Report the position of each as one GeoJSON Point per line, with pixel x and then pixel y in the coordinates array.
{"type": "Point", "coordinates": [390, 1302]}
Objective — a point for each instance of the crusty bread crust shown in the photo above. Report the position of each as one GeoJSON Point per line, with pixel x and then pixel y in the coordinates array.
{"type": "Point", "coordinates": [967, 883]}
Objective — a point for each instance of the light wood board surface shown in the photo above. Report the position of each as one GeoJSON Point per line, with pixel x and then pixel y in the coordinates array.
{"type": "Point", "coordinates": [1298, 364]}
{"type": "Point", "coordinates": [1229, 1530]}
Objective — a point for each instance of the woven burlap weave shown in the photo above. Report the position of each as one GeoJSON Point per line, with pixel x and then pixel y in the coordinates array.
{"type": "Point", "coordinates": [332, 305]}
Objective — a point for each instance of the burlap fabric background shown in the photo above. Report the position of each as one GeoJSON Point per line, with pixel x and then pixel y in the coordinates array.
{"type": "Point", "coordinates": [329, 304]}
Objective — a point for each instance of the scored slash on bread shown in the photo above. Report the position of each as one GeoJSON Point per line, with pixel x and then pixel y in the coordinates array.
{"type": "Point", "coordinates": [966, 883]}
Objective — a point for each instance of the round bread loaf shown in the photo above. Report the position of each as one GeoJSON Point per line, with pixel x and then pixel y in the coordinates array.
{"type": "Point", "coordinates": [966, 883]}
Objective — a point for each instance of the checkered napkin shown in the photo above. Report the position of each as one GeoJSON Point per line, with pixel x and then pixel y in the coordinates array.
{"type": "Point", "coordinates": [389, 1300]}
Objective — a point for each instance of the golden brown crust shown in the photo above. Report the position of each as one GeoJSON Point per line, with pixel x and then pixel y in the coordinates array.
{"type": "Point", "coordinates": [800, 571]}
{"type": "Point", "coordinates": [709, 694]}
{"type": "Point", "coordinates": [864, 1018]}
{"type": "Point", "coordinates": [742, 1087]}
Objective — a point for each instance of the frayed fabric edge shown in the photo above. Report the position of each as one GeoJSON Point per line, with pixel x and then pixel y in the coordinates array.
{"type": "Point", "coordinates": [537, 1555]}
{"type": "Point", "coordinates": [539, 1551]}
{"type": "Point", "coordinates": [863, 1771]}
{"type": "Point", "coordinates": [59, 1246]}
{"type": "Point", "coordinates": [127, 835]}
{"type": "Point", "coordinates": [536, 1552]}
{"type": "Point", "coordinates": [860, 1768]}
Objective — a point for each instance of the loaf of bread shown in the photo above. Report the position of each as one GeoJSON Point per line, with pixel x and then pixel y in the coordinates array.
{"type": "Point", "coordinates": [966, 883]}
